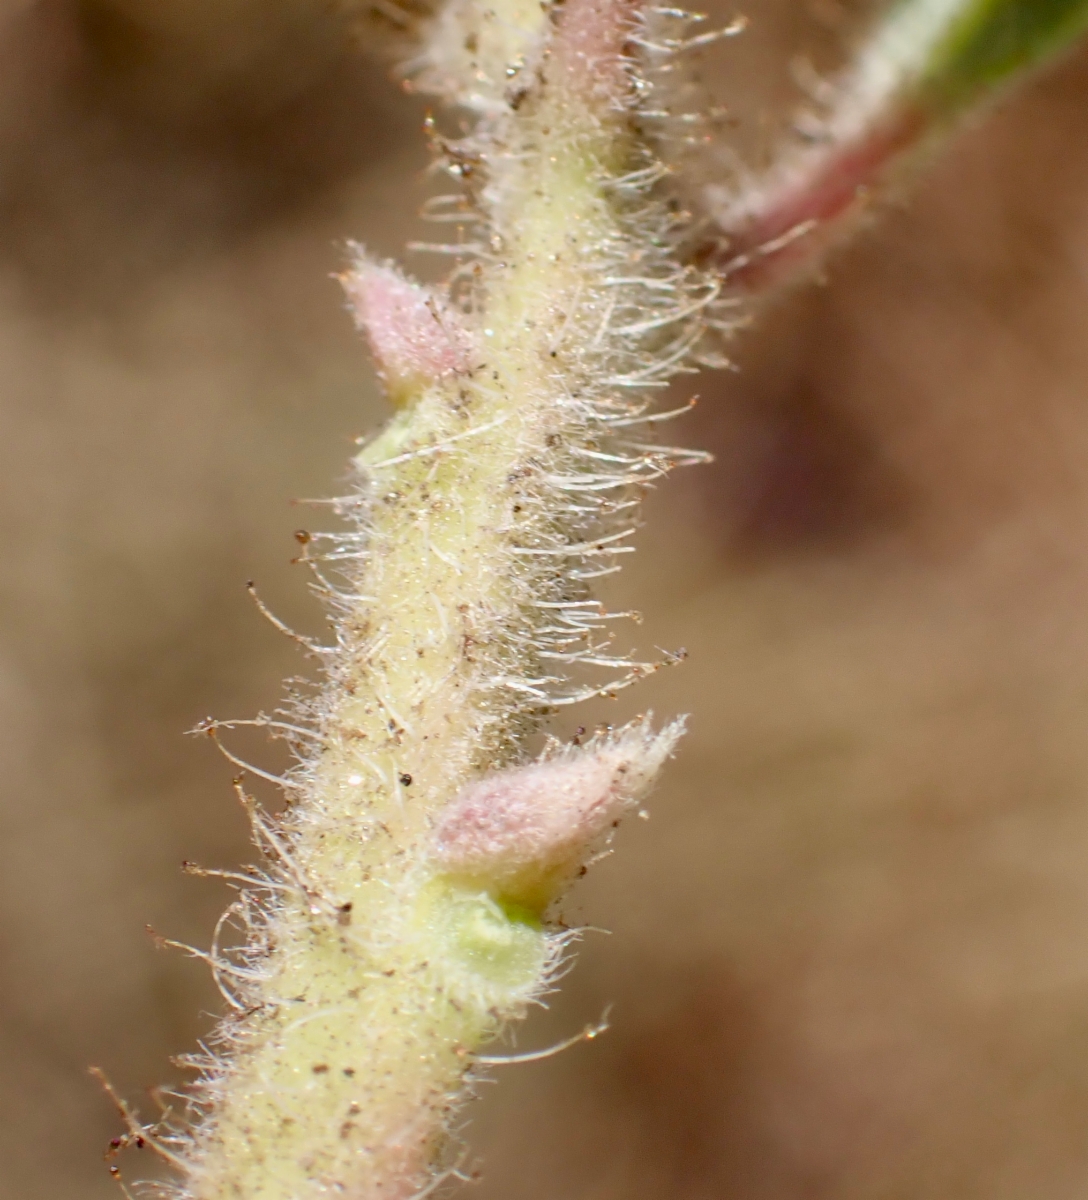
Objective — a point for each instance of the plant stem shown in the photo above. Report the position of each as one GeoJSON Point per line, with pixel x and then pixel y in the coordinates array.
{"type": "Point", "coordinates": [923, 66]}
{"type": "Point", "coordinates": [406, 917]}
{"type": "Point", "coordinates": [408, 910]}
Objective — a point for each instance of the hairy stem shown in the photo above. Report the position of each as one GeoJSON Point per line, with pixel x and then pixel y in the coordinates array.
{"type": "Point", "coordinates": [407, 913]}
{"type": "Point", "coordinates": [408, 909]}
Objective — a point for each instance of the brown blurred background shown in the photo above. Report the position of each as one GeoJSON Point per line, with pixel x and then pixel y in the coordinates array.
{"type": "Point", "coordinates": [849, 957]}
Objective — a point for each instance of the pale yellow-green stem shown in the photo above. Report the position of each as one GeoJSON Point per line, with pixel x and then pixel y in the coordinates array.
{"type": "Point", "coordinates": [406, 915]}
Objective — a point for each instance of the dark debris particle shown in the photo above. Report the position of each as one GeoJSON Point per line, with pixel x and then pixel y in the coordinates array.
{"type": "Point", "coordinates": [320, 1068]}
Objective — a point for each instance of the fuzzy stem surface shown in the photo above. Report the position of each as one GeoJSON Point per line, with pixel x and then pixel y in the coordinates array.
{"type": "Point", "coordinates": [406, 915]}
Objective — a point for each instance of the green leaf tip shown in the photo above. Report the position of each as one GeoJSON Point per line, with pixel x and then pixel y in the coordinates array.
{"type": "Point", "coordinates": [988, 43]}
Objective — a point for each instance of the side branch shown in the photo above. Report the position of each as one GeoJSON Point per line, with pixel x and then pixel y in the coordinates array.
{"type": "Point", "coordinates": [922, 68]}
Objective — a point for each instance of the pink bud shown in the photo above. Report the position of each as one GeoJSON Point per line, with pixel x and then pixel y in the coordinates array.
{"type": "Point", "coordinates": [415, 336]}
{"type": "Point", "coordinates": [524, 831]}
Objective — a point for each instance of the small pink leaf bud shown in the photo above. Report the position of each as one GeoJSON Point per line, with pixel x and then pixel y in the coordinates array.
{"type": "Point", "coordinates": [415, 336]}
{"type": "Point", "coordinates": [527, 830]}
